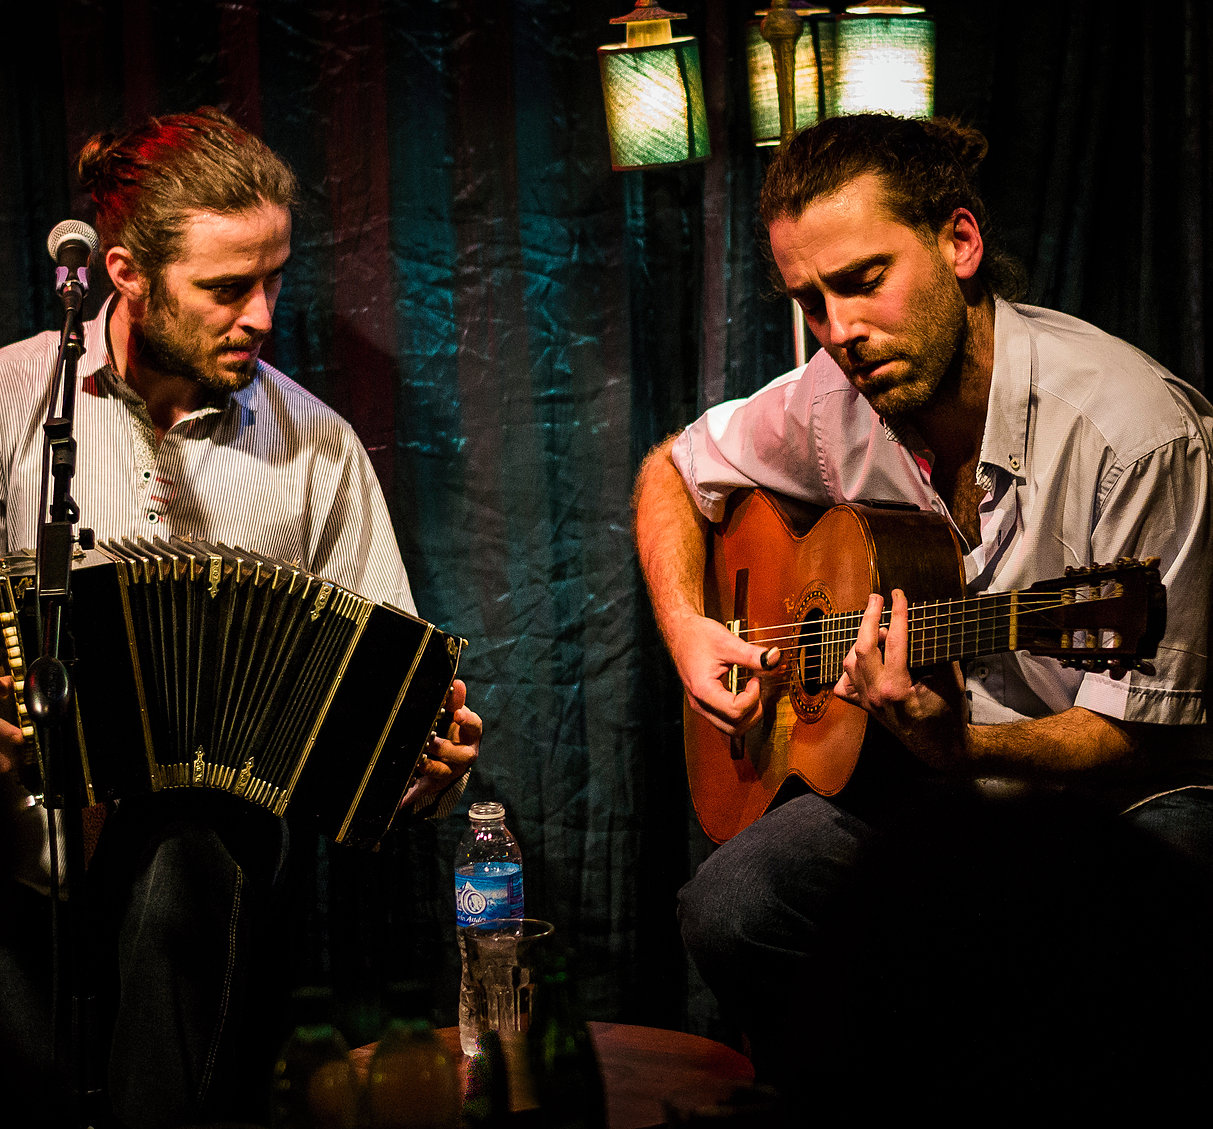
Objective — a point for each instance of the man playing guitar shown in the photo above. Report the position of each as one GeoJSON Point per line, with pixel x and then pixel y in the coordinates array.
{"type": "Point", "coordinates": [1043, 443]}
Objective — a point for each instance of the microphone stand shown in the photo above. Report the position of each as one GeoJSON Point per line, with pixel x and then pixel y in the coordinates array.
{"type": "Point", "coordinates": [49, 696]}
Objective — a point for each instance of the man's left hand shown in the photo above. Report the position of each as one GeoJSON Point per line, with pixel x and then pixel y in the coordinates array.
{"type": "Point", "coordinates": [450, 754]}
{"type": "Point", "coordinates": [928, 714]}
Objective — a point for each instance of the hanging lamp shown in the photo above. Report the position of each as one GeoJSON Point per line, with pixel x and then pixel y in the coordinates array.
{"type": "Point", "coordinates": [884, 61]}
{"type": "Point", "coordinates": [813, 72]}
{"type": "Point", "coordinates": [653, 90]}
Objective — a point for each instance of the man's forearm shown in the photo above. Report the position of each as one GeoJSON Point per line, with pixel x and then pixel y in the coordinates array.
{"type": "Point", "coordinates": [670, 539]}
{"type": "Point", "coordinates": [1071, 741]}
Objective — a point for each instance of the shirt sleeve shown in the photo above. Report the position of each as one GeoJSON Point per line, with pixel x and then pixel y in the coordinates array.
{"type": "Point", "coordinates": [357, 546]}
{"type": "Point", "coordinates": [808, 435]}
{"type": "Point", "coordinates": [1158, 506]}
{"type": "Point", "coordinates": [764, 440]}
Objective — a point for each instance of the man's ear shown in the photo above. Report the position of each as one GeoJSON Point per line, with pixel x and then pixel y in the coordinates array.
{"type": "Point", "coordinates": [128, 280]}
{"type": "Point", "coordinates": [960, 242]}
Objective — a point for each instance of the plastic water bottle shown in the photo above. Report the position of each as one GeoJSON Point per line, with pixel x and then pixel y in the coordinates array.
{"type": "Point", "coordinates": [488, 885]}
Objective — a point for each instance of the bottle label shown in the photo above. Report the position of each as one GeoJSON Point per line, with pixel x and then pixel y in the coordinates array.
{"type": "Point", "coordinates": [486, 891]}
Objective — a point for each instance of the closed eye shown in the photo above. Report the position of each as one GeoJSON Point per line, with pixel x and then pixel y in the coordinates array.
{"type": "Point", "coordinates": [862, 285]}
{"type": "Point", "coordinates": [227, 291]}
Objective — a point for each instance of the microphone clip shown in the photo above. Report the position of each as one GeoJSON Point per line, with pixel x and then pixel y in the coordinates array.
{"type": "Point", "coordinates": [76, 277]}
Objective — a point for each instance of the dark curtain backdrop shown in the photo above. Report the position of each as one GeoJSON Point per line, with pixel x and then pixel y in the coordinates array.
{"type": "Point", "coordinates": [510, 325]}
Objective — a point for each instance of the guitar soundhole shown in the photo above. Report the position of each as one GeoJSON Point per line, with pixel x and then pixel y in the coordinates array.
{"type": "Point", "coordinates": [807, 693]}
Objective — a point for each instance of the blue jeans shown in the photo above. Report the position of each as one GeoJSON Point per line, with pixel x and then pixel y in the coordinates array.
{"type": "Point", "coordinates": [183, 887]}
{"type": "Point", "coordinates": [1183, 820]}
{"type": "Point", "coordinates": [948, 944]}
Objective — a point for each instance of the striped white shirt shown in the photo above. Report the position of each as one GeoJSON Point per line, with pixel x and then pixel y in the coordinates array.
{"type": "Point", "coordinates": [273, 470]}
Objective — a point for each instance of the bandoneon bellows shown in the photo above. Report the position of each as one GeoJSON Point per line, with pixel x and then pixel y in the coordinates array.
{"type": "Point", "coordinates": [197, 665]}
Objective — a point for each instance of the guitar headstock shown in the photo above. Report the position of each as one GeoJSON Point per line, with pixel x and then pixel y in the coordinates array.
{"type": "Point", "coordinates": [1103, 617]}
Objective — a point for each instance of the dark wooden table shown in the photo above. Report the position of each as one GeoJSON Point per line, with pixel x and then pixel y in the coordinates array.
{"type": "Point", "coordinates": [641, 1068]}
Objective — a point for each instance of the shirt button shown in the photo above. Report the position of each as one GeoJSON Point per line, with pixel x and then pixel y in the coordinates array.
{"type": "Point", "coordinates": [147, 474]}
{"type": "Point", "coordinates": [153, 517]}
{"type": "Point", "coordinates": [981, 672]}
{"type": "Point", "coordinates": [1014, 461]}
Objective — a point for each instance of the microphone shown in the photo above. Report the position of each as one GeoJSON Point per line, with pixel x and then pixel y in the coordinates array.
{"type": "Point", "coordinates": [71, 243]}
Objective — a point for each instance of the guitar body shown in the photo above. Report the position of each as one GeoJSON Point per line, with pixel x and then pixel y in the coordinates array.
{"type": "Point", "coordinates": [796, 575]}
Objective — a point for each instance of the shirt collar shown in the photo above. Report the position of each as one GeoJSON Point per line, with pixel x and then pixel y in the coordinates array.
{"type": "Point", "coordinates": [1005, 442]}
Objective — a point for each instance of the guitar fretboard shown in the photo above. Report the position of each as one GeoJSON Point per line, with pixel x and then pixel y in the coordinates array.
{"type": "Point", "coordinates": [940, 632]}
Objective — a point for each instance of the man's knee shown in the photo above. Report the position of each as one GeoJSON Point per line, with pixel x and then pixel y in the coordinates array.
{"type": "Point", "coordinates": [188, 890]}
{"type": "Point", "coordinates": [768, 888]}
{"type": "Point", "coordinates": [713, 913]}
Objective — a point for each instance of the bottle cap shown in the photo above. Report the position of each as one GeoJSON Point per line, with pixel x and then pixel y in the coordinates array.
{"type": "Point", "coordinates": [312, 1005]}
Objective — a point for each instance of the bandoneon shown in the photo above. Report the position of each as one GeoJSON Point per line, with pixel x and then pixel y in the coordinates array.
{"type": "Point", "coordinates": [196, 665]}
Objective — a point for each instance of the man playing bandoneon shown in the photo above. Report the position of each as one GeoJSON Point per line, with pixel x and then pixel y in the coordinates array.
{"type": "Point", "coordinates": [181, 429]}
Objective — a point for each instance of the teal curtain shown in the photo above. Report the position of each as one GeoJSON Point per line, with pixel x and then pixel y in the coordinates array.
{"type": "Point", "coordinates": [510, 325]}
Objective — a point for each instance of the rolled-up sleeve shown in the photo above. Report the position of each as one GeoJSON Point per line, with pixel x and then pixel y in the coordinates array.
{"type": "Point", "coordinates": [808, 435]}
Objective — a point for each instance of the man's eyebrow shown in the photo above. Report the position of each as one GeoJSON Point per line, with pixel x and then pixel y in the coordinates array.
{"type": "Point", "coordinates": [801, 293]}
{"type": "Point", "coordinates": [842, 274]}
{"type": "Point", "coordinates": [857, 266]}
{"type": "Point", "coordinates": [238, 278]}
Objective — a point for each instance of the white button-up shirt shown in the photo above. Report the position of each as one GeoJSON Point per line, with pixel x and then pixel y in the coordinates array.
{"type": "Point", "coordinates": [1091, 452]}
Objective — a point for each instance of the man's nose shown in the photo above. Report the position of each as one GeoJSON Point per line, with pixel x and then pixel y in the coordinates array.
{"type": "Point", "coordinates": [844, 322]}
{"type": "Point", "coordinates": [258, 311]}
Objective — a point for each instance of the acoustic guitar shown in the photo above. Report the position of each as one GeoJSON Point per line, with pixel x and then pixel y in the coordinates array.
{"type": "Point", "coordinates": [801, 582]}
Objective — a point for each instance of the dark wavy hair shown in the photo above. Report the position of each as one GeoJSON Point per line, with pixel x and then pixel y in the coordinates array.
{"type": "Point", "coordinates": [928, 168]}
{"type": "Point", "coordinates": [146, 182]}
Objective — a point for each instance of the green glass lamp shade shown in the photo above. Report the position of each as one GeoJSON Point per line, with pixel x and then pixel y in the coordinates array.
{"type": "Point", "coordinates": [883, 63]}
{"type": "Point", "coordinates": [815, 46]}
{"type": "Point", "coordinates": [654, 103]}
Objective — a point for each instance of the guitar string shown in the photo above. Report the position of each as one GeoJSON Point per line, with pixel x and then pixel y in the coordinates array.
{"type": "Point", "coordinates": [923, 617]}
{"type": "Point", "coordinates": [832, 633]}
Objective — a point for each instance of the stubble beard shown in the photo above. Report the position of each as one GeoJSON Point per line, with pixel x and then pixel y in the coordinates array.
{"type": "Point", "coordinates": [931, 345]}
{"type": "Point", "coordinates": [173, 348]}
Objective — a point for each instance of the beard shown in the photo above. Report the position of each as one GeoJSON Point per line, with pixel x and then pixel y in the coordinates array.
{"type": "Point", "coordinates": [173, 346]}
{"type": "Point", "coordinates": [925, 357]}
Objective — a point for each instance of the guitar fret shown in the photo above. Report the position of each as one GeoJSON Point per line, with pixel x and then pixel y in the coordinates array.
{"type": "Point", "coordinates": [953, 630]}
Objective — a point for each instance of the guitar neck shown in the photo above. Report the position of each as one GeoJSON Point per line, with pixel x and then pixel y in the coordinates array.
{"type": "Point", "coordinates": [940, 632]}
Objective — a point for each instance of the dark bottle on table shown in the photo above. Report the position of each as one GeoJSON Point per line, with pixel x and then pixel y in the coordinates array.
{"type": "Point", "coordinates": [565, 1077]}
{"type": "Point", "coordinates": [315, 1086]}
{"type": "Point", "coordinates": [411, 1082]}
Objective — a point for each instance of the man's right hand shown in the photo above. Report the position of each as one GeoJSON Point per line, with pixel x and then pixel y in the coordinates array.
{"type": "Point", "coordinates": [704, 654]}
{"type": "Point", "coordinates": [671, 542]}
